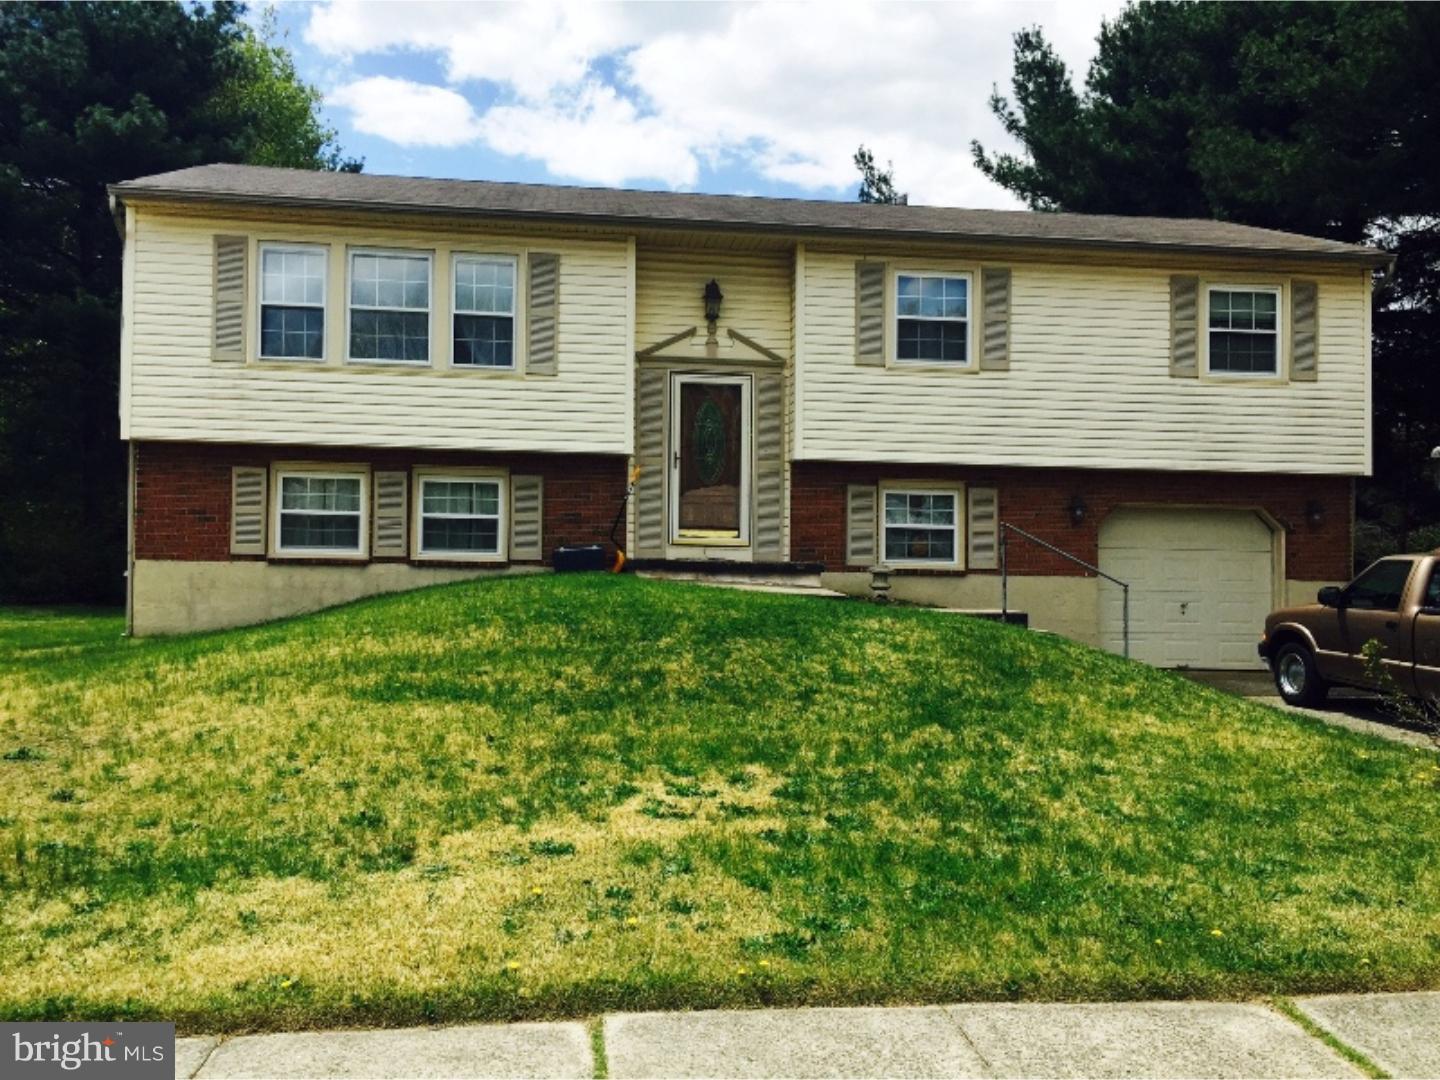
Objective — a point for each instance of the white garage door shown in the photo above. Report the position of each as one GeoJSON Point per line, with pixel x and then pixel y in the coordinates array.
{"type": "Point", "coordinates": [1200, 585]}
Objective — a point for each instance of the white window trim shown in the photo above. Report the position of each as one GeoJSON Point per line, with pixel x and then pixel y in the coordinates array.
{"type": "Point", "coordinates": [894, 317]}
{"type": "Point", "coordinates": [1278, 291]}
{"type": "Point", "coordinates": [319, 471]}
{"type": "Point", "coordinates": [462, 475]}
{"type": "Point", "coordinates": [456, 258]}
{"type": "Point", "coordinates": [323, 307]}
{"type": "Point", "coordinates": [429, 311]}
{"type": "Point", "coordinates": [959, 527]}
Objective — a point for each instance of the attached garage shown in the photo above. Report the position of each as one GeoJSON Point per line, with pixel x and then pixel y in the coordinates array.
{"type": "Point", "coordinates": [1201, 584]}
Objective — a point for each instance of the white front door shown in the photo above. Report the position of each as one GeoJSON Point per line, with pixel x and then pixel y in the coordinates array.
{"type": "Point", "coordinates": [710, 460]}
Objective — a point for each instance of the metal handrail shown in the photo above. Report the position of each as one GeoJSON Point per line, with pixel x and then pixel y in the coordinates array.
{"type": "Point", "coordinates": [1005, 527]}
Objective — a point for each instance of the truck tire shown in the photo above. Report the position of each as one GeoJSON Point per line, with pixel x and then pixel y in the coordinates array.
{"type": "Point", "coordinates": [1297, 678]}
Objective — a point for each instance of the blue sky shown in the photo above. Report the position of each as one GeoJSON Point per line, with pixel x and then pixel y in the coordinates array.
{"type": "Point", "coordinates": [752, 98]}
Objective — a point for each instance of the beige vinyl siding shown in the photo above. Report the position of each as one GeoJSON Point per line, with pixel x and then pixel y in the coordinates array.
{"type": "Point", "coordinates": [176, 392]}
{"type": "Point", "coordinates": [757, 287]}
{"type": "Point", "coordinates": [1089, 383]}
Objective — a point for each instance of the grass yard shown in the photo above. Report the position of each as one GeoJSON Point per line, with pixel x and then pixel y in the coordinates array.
{"type": "Point", "coordinates": [552, 796]}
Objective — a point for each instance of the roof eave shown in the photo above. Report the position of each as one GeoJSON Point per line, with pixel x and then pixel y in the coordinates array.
{"type": "Point", "coordinates": [1373, 258]}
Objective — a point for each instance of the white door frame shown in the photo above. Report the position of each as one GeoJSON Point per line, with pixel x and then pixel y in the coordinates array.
{"type": "Point", "coordinates": [746, 384]}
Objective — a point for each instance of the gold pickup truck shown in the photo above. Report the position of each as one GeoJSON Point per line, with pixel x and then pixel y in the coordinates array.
{"type": "Point", "coordinates": [1395, 602]}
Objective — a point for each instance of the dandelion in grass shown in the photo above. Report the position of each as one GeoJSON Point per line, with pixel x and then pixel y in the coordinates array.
{"type": "Point", "coordinates": [512, 966]}
{"type": "Point", "coordinates": [632, 921]}
{"type": "Point", "coordinates": [537, 891]}
{"type": "Point", "coordinates": [1217, 933]}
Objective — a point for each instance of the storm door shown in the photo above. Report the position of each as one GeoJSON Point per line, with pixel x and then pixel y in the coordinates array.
{"type": "Point", "coordinates": [710, 459]}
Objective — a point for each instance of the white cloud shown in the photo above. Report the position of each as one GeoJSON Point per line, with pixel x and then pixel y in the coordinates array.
{"type": "Point", "coordinates": [625, 93]}
{"type": "Point", "coordinates": [408, 113]}
{"type": "Point", "coordinates": [598, 136]}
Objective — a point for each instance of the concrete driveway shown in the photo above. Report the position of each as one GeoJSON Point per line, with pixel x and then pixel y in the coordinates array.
{"type": "Point", "coordinates": [1353, 709]}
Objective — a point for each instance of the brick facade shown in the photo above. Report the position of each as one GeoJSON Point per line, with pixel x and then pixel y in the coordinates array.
{"type": "Point", "coordinates": [182, 491]}
{"type": "Point", "coordinates": [1037, 500]}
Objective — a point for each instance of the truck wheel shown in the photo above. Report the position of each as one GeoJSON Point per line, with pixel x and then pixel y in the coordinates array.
{"type": "Point", "coordinates": [1296, 676]}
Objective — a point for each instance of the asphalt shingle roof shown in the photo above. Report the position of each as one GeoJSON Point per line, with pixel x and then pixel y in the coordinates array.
{"type": "Point", "coordinates": [614, 206]}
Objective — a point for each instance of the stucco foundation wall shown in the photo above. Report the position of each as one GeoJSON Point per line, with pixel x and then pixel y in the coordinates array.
{"type": "Point", "coordinates": [1303, 592]}
{"type": "Point", "coordinates": [175, 597]}
{"type": "Point", "coordinates": [1068, 606]}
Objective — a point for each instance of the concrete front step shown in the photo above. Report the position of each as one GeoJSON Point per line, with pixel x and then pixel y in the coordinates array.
{"type": "Point", "coordinates": [797, 584]}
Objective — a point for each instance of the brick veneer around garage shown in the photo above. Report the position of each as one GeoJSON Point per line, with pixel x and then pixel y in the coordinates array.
{"type": "Point", "coordinates": [1037, 500]}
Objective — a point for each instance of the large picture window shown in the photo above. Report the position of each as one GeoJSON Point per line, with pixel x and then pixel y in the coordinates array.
{"type": "Point", "coordinates": [484, 311]}
{"type": "Point", "coordinates": [921, 526]}
{"type": "Point", "coordinates": [390, 307]}
{"type": "Point", "coordinates": [320, 513]}
{"type": "Point", "coordinates": [292, 302]}
{"type": "Point", "coordinates": [461, 516]}
{"type": "Point", "coordinates": [932, 323]}
{"type": "Point", "coordinates": [1244, 331]}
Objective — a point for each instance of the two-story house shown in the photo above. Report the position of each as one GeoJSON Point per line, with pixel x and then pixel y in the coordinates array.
{"type": "Point", "coordinates": [335, 385]}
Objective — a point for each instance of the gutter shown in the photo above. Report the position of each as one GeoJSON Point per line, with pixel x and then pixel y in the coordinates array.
{"type": "Point", "coordinates": [1370, 257]}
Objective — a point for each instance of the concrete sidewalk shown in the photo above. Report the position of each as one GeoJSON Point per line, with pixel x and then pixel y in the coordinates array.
{"type": "Point", "coordinates": [1398, 1034]}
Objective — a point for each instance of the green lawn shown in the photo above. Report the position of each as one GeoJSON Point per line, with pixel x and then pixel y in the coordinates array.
{"type": "Point", "coordinates": [551, 796]}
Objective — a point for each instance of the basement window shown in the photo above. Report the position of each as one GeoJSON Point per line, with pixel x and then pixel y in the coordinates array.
{"type": "Point", "coordinates": [921, 526]}
{"type": "Point", "coordinates": [461, 517]}
{"type": "Point", "coordinates": [1243, 331]}
{"type": "Point", "coordinates": [320, 513]}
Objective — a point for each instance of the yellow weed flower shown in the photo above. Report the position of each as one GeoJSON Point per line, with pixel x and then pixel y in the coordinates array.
{"type": "Point", "coordinates": [632, 921]}
{"type": "Point", "coordinates": [537, 891]}
{"type": "Point", "coordinates": [512, 966]}
{"type": "Point", "coordinates": [764, 963]}
{"type": "Point", "coordinates": [1159, 941]}
{"type": "Point", "coordinates": [1217, 933]}
{"type": "Point", "coordinates": [742, 972]}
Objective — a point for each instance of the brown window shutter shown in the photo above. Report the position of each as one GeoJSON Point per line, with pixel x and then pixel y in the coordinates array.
{"type": "Point", "coordinates": [860, 525]}
{"type": "Point", "coordinates": [1304, 331]}
{"type": "Point", "coordinates": [527, 518]}
{"type": "Point", "coordinates": [247, 510]}
{"type": "Point", "coordinates": [1184, 327]}
{"type": "Point", "coordinates": [982, 525]}
{"type": "Point", "coordinates": [542, 315]}
{"type": "Point", "coordinates": [231, 256]}
{"type": "Point", "coordinates": [870, 314]}
{"type": "Point", "coordinates": [651, 522]}
{"type": "Point", "coordinates": [995, 315]}
{"type": "Point", "coordinates": [391, 523]}
{"type": "Point", "coordinates": [769, 467]}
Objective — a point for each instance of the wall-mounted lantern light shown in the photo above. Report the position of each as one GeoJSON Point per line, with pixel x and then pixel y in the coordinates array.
{"type": "Point", "coordinates": [1077, 510]}
{"type": "Point", "coordinates": [713, 296]}
{"type": "Point", "coordinates": [1315, 513]}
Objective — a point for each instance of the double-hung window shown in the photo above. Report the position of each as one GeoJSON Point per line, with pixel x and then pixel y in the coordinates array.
{"type": "Point", "coordinates": [932, 318]}
{"type": "Point", "coordinates": [921, 526]}
{"type": "Point", "coordinates": [320, 512]}
{"type": "Point", "coordinates": [1244, 330]}
{"type": "Point", "coordinates": [390, 306]}
{"type": "Point", "coordinates": [292, 302]}
{"type": "Point", "coordinates": [484, 311]}
{"type": "Point", "coordinates": [461, 517]}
